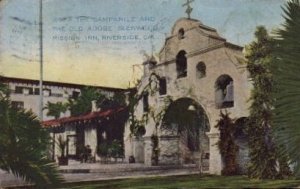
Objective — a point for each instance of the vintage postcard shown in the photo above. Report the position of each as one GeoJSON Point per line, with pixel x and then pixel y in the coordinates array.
{"type": "Point", "coordinates": [132, 88]}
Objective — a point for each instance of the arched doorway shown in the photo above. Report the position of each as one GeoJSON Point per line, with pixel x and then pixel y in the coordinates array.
{"type": "Point", "coordinates": [187, 120]}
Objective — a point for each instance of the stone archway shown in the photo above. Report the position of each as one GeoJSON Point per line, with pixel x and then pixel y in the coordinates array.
{"type": "Point", "coordinates": [183, 139]}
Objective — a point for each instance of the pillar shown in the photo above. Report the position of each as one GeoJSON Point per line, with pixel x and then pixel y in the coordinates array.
{"type": "Point", "coordinates": [215, 159]}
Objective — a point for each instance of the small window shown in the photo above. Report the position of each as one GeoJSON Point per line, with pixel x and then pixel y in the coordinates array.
{"type": "Point", "coordinates": [181, 33]}
{"type": "Point", "coordinates": [36, 91]}
{"type": "Point", "coordinates": [30, 90]}
{"type": "Point", "coordinates": [19, 90]}
{"type": "Point", "coordinates": [162, 86]}
{"type": "Point", "coordinates": [47, 92]}
{"type": "Point", "coordinates": [146, 102]}
{"type": "Point", "coordinates": [17, 105]}
{"type": "Point", "coordinates": [201, 70]}
{"type": "Point", "coordinates": [75, 94]}
{"type": "Point", "coordinates": [181, 64]}
{"type": "Point", "coordinates": [27, 90]}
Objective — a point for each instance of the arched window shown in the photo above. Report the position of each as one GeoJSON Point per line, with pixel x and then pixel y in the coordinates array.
{"type": "Point", "coordinates": [181, 64]}
{"type": "Point", "coordinates": [181, 33]}
{"type": "Point", "coordinates": [201, 70]}
{"type": "Point", "coordinates": [224, 96]}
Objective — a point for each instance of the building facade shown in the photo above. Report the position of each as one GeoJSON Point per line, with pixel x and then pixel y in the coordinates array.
{"type": "Point", "coordinates": [25, 93]}
{"type": "Point", "coordinates": [77, 131]}
{"type": "Point", "coordinates": [197, 75]}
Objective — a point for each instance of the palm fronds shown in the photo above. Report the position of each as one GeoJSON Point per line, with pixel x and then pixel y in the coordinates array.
{"type": "Point", "coordinates": [23, 145]}
{"type": "Point", "coordinates": [287, 78]}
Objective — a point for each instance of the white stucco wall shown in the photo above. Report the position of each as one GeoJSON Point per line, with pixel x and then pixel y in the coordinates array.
{"type": "Point", "coordinates": [202, 44]}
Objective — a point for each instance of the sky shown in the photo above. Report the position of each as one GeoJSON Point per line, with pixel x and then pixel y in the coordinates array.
{"type": "Point", "coordinates": [103, 43]}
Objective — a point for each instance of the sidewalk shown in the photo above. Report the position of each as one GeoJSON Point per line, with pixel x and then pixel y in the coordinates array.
{"type": "Point", "coordinates": [77, 172]}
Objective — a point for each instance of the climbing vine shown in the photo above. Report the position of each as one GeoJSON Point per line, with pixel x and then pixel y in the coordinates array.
{"type": "Point", "coordinates": [137, 126]}
{"type": "Point", "coordinates": [226, 144]}
{"type": "Point", "coordinates": [151, 87]}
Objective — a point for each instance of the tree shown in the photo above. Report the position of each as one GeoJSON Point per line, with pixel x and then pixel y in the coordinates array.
{"type": "Point", "coordinates": [117, 100]}
{"type": "Point", "coordinates": [23, 145]}
{"type": "Point", "coordinates": [262, 150]}
{"type": "Point", "coordinates": [54, 109]}
{"type": "Point", "coordinates": [287, 78]}
{"type": "Point", "coordinates": [82, 104]}
{"type": "Point", "coordinates": [226, 144]}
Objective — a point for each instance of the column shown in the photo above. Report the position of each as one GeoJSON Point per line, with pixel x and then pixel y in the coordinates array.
{"type": "Point", "coordinates": [215, 159]}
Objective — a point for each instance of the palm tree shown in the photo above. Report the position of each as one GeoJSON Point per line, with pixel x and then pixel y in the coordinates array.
{"type": "Point", "coordinates": [82, 104]}
{"type": "Point", "coordinates": [287, 78]}
{"type": "Point", "coordinates": [54, 109]}
{"type": "Point", "coordinates": [23, 145]}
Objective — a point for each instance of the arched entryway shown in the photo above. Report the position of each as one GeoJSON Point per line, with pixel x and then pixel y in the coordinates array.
{"type": "Point", "coordinates": [186, 121]}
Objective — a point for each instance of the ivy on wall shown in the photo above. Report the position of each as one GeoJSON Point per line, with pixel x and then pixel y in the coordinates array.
{"type": "Point", "coordinates": [226, 144]}
{"type": "Point", "coordinates": [137, 126]}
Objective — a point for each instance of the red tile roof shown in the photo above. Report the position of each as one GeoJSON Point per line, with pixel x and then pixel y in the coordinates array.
{"type": "Point", "coordinates": [86, 117]}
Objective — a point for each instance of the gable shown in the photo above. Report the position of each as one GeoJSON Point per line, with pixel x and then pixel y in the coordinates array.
{"type": "Point", "coordinates": [189, 35]}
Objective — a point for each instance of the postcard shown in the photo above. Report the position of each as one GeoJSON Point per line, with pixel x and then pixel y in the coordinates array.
{"type": "Point", "coordinates": [132, 87]}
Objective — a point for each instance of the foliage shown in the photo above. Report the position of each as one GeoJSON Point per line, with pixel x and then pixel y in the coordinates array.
{"type": "Point", "coordinates": [54, 109]}
{"type": "Point", "coordinates": [226, 144]}
{"type": "Point", "coordinates": [4, 91]}
{"type": "Point", "coordinates": [286, 76]}
{"type": "Point", "coordinates": [110, 149]}
{"type": "Point", "coordinates": [102, 149]}
{"type": "Point", "coordinates": [117, 100]}
{"type": "Point", "coordinates": [62, 144]}
{"type": "Point", "coordinates": [23, 145]}
{"type": "Point", "coordinates": [137, 125]}
{"type": "Point", "coordinates": [82, 104]}
{"type": "Point", "coordinates": [115, 149]}
{"type": "Point", "coordinates": [262, 150]}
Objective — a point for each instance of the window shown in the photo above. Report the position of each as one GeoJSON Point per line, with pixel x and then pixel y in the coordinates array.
{"type": "Point", "coordinates": [19, 90]}
{"type": "Point", "coordinates": [24, 90]}
{"type": "Point", "coordinates": [47, 92]}
{"type": "Point", "coordinates": [162, 86]}
{"type": "Point", "coordinates": [27, 90]}
{"type": "Point", "coordinates": [181, 64]}
{"type": "Point", "coordinates": [224, 94]}
{"type": "Point", "coordinates": [36, 91]}
{"type": "Point", "coordinates": [17, 105]}
{"type": "Point", "coordinates": [201, 70]}
{"type": "Point", "coordinates": [75, 94]}
{"type": "Point", "coordinates": [181, 33]}
{"type": "Point", "coordinates": [146, 102]}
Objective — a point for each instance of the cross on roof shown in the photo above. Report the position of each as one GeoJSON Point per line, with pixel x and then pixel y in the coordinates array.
{"type": "Point", "coordinates": [189, 9]}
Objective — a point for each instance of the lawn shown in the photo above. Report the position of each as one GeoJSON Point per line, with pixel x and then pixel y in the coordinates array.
{"type": "Point", "coordinates": [186, 182]}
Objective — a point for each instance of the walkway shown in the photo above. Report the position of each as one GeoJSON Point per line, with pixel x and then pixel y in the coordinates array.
{"type": "Point", "coordinates": [76, 172]}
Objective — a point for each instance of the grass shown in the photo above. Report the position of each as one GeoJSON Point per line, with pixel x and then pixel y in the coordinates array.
{"type": "Point", "coordinates": [186, 182]}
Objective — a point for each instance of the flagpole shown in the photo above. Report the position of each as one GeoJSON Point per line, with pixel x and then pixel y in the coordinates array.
{"type": "Point", "coordinates": [41, 58]}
